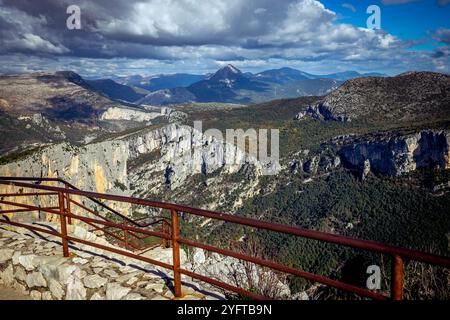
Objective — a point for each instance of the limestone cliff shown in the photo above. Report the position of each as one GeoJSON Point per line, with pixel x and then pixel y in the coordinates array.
{"type": "Point", "coordinates": [172, 153]}
{"type": "Point", "coordinates": [117, 113]}
{"type": "Point", "coordinates": [397, 155]}
{"type": "Point", "coordinates": [100, 167]}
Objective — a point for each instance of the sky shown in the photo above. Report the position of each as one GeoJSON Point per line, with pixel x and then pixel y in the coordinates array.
{"type": "Point", "coordinates": [119, 38]}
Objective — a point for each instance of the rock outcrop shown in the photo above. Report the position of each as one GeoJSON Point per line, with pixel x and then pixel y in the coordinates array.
{"type": "Point", "coordinates": [175, 152]}
{"type": "Point", "coordinates": [321, 112]}
{"type": "Point", "coordinates": [117, 113]}
{"type": "Point", "coordinates": [99, 167]}
{"type": "Point", "coordinates": [397, 155]}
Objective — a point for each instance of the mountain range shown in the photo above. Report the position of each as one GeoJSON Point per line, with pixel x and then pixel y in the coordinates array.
{"type": "Point", "coordinates": [227, 85]}
{"type": "Point", "coordinates": [231, 85]}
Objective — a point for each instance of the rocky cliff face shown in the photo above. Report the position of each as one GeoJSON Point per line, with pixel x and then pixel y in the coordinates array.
{"type": "Point", "coordinates": [175, 152]}
{"type": "Point", "coordinates": [152, 161]}
{"type": "Point", "coordinates": [397, 155]}
{"type": "Point", "coordinates": [100, 167]}
{"type": "Point", "coordinates": [116, 113]}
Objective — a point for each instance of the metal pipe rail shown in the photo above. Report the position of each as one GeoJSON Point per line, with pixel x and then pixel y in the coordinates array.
{"type": "Point", "coordinates": [71, 186]}
{"type": "Point", "coordinates": [165, 224]}
{"type": "Point", "coordinates": [397, 254]}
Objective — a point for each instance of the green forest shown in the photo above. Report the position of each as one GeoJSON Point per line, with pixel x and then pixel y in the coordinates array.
{"type": "Point", "coordinates": [400, 211]}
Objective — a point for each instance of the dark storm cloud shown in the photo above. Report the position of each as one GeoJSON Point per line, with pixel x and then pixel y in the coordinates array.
{"type": "Point", "coordinates": [138, 29]}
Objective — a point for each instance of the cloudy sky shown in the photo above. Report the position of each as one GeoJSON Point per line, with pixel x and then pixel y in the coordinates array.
{"type": "Point", "coordinates": [198, 36]}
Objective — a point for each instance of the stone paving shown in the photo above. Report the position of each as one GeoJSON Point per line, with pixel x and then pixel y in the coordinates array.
{"type": "Point", "coordinates": [32, 264]}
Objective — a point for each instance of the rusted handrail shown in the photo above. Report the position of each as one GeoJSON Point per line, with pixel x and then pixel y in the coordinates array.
{"type": "Point", "coordinates": [71, 186]}
{"type": "Point", "coordinates": [68, 200]}
{"type": "Point", "coordinates": [397, 253]}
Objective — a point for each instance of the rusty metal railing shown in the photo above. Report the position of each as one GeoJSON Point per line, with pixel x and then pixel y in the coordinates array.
{"type": "Point", "coordinates": [397, 254]}
{"type": "Point", "coordinates": [128, 240]}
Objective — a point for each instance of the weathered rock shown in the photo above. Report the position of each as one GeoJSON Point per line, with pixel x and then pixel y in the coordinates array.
{"type": "Point", "coordinates": [409, 97]}
{"type": "Point", "coordinates": [126, 277]}
{"type": "Point", "coordinates": [397, 155]}
{"type": "Point", "coordinates": [15, 257]}
{"type": "Point", "coordinates": [5, 255]}
{"type": "Point", "coordinates": [300, 116]}
{"type": "Point", "coordinates": [116, 113]}
{"type": "Point", "coordinates": [80, 261]}
{"type": "Point", "coordinates": [20, 273]}
{"type": "Point", "coordinates": [158, 287]}
{"type": "Point", "coordinates": [56, 289]}
{"type": "Point", "coordinates": [7, 276]}
{"type": "Point", "coordinates": [131, 281]}
{"type": "Point", "coordinates": [93, 167]}
{"type": "Point", "coordinates": [51, 274]}
{"type": "Point", "coordinates": [133, 296]}
{"type": "Point", "coordinates": [75, 289]}
{"type": "Point", "coordinates": [35, 295]}
{"type": "Point", "coordinates": [47, 295]}
{"type": "Point", "coordinates": [115, 291]}
{"type": "Point", "coordinates": [199, 256]}
{"type": "Point", "coordinates": [35, 279]}
{"type": "Point", "coordinates": [97, 296]}
{"type": "Point", "coordinates": [110, 273]}
{"type": "Point", "coordinates": [60, 273]}
{"type": "Point", "coordinates": [27, 262]}
{"type": "Point", "coordinates": [98, 270]}
{"type": "Point", "coordinates": [185, 151]}
{"type": "Point", "coordinates": [94, 281]}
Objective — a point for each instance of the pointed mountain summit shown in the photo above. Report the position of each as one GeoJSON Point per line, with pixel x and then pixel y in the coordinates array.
{"type": "Point", "coordinates": [229, 72]}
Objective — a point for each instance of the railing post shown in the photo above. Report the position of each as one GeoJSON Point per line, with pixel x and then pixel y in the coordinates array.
{"type": "Point", "coordinates": [176, 253]}
{"type": "Point", "coordinates": [166, 230]}
{"type": "Point", "coordinates": [62, 218]}
{"type": "Point", "coordinates": [125, 235]}
{"type": "Point", "coordinates": [163, 230]}
{"type": "Point", "coordinates": [69, 212]}
{"type": "Point", "coordinates": [397, 278]}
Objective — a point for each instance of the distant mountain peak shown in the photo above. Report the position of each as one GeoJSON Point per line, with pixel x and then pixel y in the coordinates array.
{"type": "Point", "coordinates": [228, 72]}
{"type": "Point", "coordinates": [231, 68]}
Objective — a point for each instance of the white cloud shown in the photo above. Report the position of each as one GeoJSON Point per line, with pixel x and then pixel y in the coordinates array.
{"type": "Point", "coordinates": [34, 43]}
{"type": "Point", "coordinates": [349, 6]}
